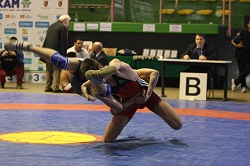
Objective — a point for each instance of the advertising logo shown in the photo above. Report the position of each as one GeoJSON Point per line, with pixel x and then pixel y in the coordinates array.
{"type": "Point", "coordinates": [26, 24]}
{"type": "Point", "coordinates": [27, 60]}
{"type": "Point", "coordinates": [23, 16]}
{"type": "Point", "coordinates": [25, 37]}
{"type": "Point", "coordinates": [10, 30]}
{"type": "Point", "coordinates": [41, 39]}
{"type": "Point", "coordinates": [45, 3]}
{"type": "Point", "coordinates": [10, 24]}
{"type": "Point", "coordinates": [10, 16]}
{"type": "Point", "coordinates": [25, 31]}
{"type": "Point", "coordinates": [26, 3]}
{"type": "Point", "coordinates": [59, 3]}
{"type": "Point", "coordinates": [9, 4]}
{"type": "Point", "coordinates": [42, 24]}
{"type": "Point", "coordinates": [42, 16]}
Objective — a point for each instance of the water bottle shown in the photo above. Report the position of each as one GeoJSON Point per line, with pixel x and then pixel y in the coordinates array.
{"type": "Point", "coordinates": [76, 17]}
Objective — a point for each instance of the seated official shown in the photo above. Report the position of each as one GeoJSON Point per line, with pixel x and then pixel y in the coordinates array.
{"type": "Point", "coordinates": [99, 54]}
{"type": "Point", "coordinates": [11, 63]}
{"type": "Point", "coordinates": [200, 50]}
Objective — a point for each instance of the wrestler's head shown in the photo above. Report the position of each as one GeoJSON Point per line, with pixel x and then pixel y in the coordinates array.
{"type": "Point", "coordinates": [88, 64]}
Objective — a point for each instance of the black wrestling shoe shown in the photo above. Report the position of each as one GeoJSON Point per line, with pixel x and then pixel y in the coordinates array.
{"type": "Point", "coordinates": [19, 86]}
{"type": "Point", "coordinates": [48, 90]}
{"type": "Point", "coordinates": [57, 91]}
{"type": "Point", "coordinates": [2, 85]}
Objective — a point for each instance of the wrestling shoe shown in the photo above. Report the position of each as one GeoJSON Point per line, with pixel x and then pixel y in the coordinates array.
{"type": "Point", "coordinates": [233, 87]}
{"type": "Point", "coordinates": [48, 90]}
{"type": "Point", "coordinates": [19, 86]}
{"type": "Point", "coordinates": [57, 91]}
{"type": "Point", "coordinates": [18, 46]}
{"type": "Point", "coordinates": [97, 76]}
{"type": "Point", "coordinates": [244, 89]}
{"type": "Point", "coordinates": [2, 85]}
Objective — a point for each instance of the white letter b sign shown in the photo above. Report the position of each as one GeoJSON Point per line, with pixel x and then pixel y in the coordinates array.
{"type": "Point", "coordinates": [193, 86]}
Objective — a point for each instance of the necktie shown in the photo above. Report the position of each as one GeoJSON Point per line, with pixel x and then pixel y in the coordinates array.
{"type": "Point", "coordinates": [199, 51]}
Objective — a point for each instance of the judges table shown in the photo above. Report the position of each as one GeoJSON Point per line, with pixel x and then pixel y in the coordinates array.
{"type": "Point", "coordinates": [150, 63]}
{"type": "Point", "coordinates": [202, 63]}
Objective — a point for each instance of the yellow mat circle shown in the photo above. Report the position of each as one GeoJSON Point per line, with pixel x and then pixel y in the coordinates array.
{"type": "Point", "coordinates": [50, 137]}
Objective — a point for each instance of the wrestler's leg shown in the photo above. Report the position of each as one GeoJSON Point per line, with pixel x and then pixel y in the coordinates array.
{"type": "Point", "coordinates": [168, 114]}
{"type": "Point", "coordinates": [52, 56]}
{"type": "Point", "coordinates": [97, 76]}
{"type": "Point", "coordinates": [65, 81]}
{"type": "Point", "coordinates": [115, 127]}
{"type": "Point", "coordinates": [45, 53]}
{"type": "Point", "coordinates": [65, 77]}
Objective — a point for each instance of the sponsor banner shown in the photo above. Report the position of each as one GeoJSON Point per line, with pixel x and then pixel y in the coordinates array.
{"type": "Point", "coordinates": [31, 77]}
{"type": "Point", "coordinates": [28, 20]}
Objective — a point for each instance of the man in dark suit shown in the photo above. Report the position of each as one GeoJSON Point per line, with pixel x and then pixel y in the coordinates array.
{"type": "Point", "coordinates": [200, 50]}
{"type": "Point", "coordinates": [56, 38]}
{"type": "Point", "coordinates": [99, 54]}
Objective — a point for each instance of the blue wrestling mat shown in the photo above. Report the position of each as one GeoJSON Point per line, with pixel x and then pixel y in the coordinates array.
{"type": "Point", "coordinates": [69, 130]}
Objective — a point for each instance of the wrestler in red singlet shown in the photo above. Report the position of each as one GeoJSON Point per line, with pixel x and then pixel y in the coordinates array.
{"type": "Point", "coordinates": [126, 89]}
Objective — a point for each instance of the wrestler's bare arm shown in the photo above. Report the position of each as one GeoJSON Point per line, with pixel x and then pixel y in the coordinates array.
{"type": "Point", "coordinates": [115, 106]}
{"type": "Point", "coordinates": [116, 62]}
{"type": "Point", "coordinates": [150, 74]}
{"type": "Point", "coordinates": [124, 70]}
{"type": "Point", "coordinates": [73, 65]}
{"type": "Point", "coordinates": [85, 86]}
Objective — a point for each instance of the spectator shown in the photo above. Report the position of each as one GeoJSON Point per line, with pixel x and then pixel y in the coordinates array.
{"type": "Point", "coordinates": [75, 51]}
{"type": "Point", "coordinates": [99, 54]}
{"type": "Point", "coordinates": [242, 54]}
{"type": "Point", "coordinates": [77, 48]}
{"type": "Point", "coordinates": [11, 63]}
{"type": "Point", "coordinates": [56, 38]}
